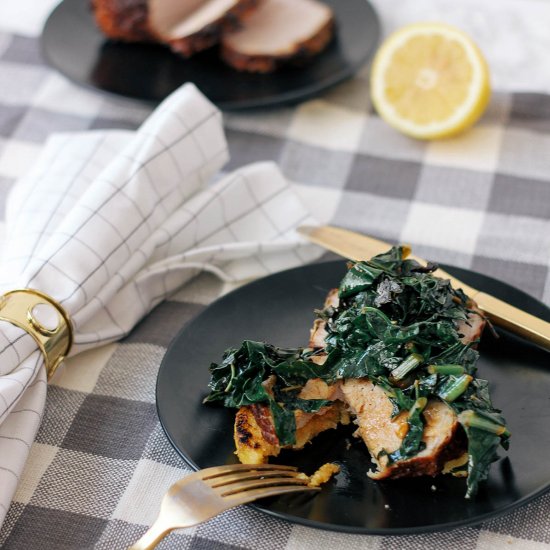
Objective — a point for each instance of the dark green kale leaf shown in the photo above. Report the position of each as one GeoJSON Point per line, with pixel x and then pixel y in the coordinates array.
{"type": "Point", "coordinates": [482, 446]}
{"type": "Point", "coordinates": [485, 428]}
{"type": "Point", "coordinates": [237, 380]}
{"type": "Point", "coordinates": [242, 378]}
{"type": "Point", "coordinates": [293, 372]}
{"type": "Point", "coordinates": [412, 443]}
{"type": "Point", "coordinates": [360, 277]}
{"type": "Point", "coordinates": [400, 399]}
{"type": "Point", "coordinates": [284, 422]}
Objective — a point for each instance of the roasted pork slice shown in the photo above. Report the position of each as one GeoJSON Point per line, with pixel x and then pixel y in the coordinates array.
{"type": "Point", "coordinates": [124, 20]}
{"type": "Point", "coordinates": [373, 409]}
{"type": "Point", "coordinates": [472, 328]}
{"type": "Point", "coordinates": [255, 436]}
{"type": "Point", "coordinates": [186, 26]}
{"type": "Point", "coordinates": [443, 437]}
{"type": "Point", "coordinates": [278, 32]}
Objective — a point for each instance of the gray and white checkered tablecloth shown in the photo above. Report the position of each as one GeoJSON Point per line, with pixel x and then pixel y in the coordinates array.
{"type": "Point", "coordinates": [100, 463]}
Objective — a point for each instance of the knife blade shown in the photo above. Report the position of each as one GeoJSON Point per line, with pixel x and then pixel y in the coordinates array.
{"type": "Point", "coordinates": [356, 246]}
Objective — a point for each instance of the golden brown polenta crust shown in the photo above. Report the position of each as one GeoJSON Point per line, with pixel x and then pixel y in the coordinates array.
{"type": "Point", "coordinates": [254, 435]}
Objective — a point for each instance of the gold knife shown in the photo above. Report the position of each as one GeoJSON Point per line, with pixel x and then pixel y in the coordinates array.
{"type": "Point", "coordinates": [360, 247]}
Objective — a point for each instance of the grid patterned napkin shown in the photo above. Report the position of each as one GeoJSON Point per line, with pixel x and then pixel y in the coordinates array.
{"type": "Point", "coordinates": [110, 223]}
{"type": "Point", "coordinates": [100, 463]}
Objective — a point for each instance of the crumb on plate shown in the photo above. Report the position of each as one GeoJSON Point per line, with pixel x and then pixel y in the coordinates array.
{"type": "Point", "coordinates": [322, 475]}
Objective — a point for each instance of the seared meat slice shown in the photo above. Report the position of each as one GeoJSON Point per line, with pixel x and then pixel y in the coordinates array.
{"type": "Point", "coordinates": [277, 32]}
{"type": "Point", "coordinates": [373, 411]}
{"type": "Point", "coordinates": [443, 436]}
{"type": "Point", "coordinates": [255, 437]}
{"type": "Point", "coordinates": [123, 20]}
{"type": "Point", "coordinates": [186, 26]}
{"type": "Point", "coordinates": [472, 329]}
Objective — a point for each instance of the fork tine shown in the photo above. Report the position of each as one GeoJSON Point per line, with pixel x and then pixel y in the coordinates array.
{"type": "Point", "coordinates": [226, 490]}
{"type": "Point", "coordinates": [220, 481]}
{"type": "Point", "coordinates": [250, 496]}
{"type": "Point", "coordinates": [209, 473]}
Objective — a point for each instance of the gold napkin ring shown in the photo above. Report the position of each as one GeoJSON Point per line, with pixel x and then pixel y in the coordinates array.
{"type": "Point", "coordinates": [44, 319]}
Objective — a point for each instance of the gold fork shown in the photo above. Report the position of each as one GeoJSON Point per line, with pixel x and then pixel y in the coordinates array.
{"type": "Point", "coordinates": [204, 494]}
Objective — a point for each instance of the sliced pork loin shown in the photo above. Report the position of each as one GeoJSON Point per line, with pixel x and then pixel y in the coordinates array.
{"type": "Point", "coordinates": [186, 26]}
{"type": "Point", "coordinates": [124, 20]}
{"type": "Point", "coordinates": [444, 439]}
{"type": "Point", "coordinates": [372, 409]}
{"type": "Point", "coordinates": [472, 328]}
{"type": "Point", "coordinates": [278, 32]}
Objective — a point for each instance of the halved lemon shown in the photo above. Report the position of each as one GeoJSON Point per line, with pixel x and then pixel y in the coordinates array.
{"type": "Point", "coordinates": [430, 80]}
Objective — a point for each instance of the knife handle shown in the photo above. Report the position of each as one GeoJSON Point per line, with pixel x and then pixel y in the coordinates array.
{"type": "Point", "coordinates": [515, 320]}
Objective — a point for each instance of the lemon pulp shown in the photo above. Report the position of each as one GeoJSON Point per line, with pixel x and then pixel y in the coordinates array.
{"type": "Point", "coordinates": [430, 80]}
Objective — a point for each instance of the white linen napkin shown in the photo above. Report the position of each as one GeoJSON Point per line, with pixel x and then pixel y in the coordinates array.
{"type": "Point", "coordinates": [109, 223]}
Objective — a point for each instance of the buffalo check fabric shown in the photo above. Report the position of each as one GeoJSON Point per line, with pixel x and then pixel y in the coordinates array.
{"type": "Point", "coordinates": [100, 463]}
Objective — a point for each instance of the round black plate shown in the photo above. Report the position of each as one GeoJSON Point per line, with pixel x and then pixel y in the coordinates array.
{"type": "Point", "coordinates": [279, 309]}
{"type": "Point", "coordinates": [72, 44]}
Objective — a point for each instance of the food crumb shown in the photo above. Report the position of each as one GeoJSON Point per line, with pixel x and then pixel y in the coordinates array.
{"type": "Point", "coordinates": [387, 506]}
{"type": "Point", "coordinates": [433, 488]}
{"type": "Point", "coordinates": [323, 474]}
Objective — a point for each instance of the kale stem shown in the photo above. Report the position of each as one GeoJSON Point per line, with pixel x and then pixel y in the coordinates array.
{"type": "Point", "coordinates": [231, 379]}
{"type": "Point", "coordinates": [446, 369]}
{"type": "Point", "coordinates": [455, 387]}
{"type": "Point", "coordinates": [473, 420]}
{"type": "Point", "coordinates": [419, 405]}
{"type": "Point", "coordinates": [410, 363]}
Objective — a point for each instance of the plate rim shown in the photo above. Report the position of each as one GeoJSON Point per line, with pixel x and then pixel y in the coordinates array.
{"type": "Point", "coordinates": [282, 99]}
{"type": "Point", "coordinates": [398, 531]}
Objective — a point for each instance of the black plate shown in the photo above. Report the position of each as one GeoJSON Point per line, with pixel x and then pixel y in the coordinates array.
{"type": "Point", "coordinates": [73, 45]}
{"type": "Point", "coordinates": [279, 309]}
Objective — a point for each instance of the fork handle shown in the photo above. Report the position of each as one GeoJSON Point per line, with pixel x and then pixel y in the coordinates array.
{"type": "Point", "coordinates": [153, 536]}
